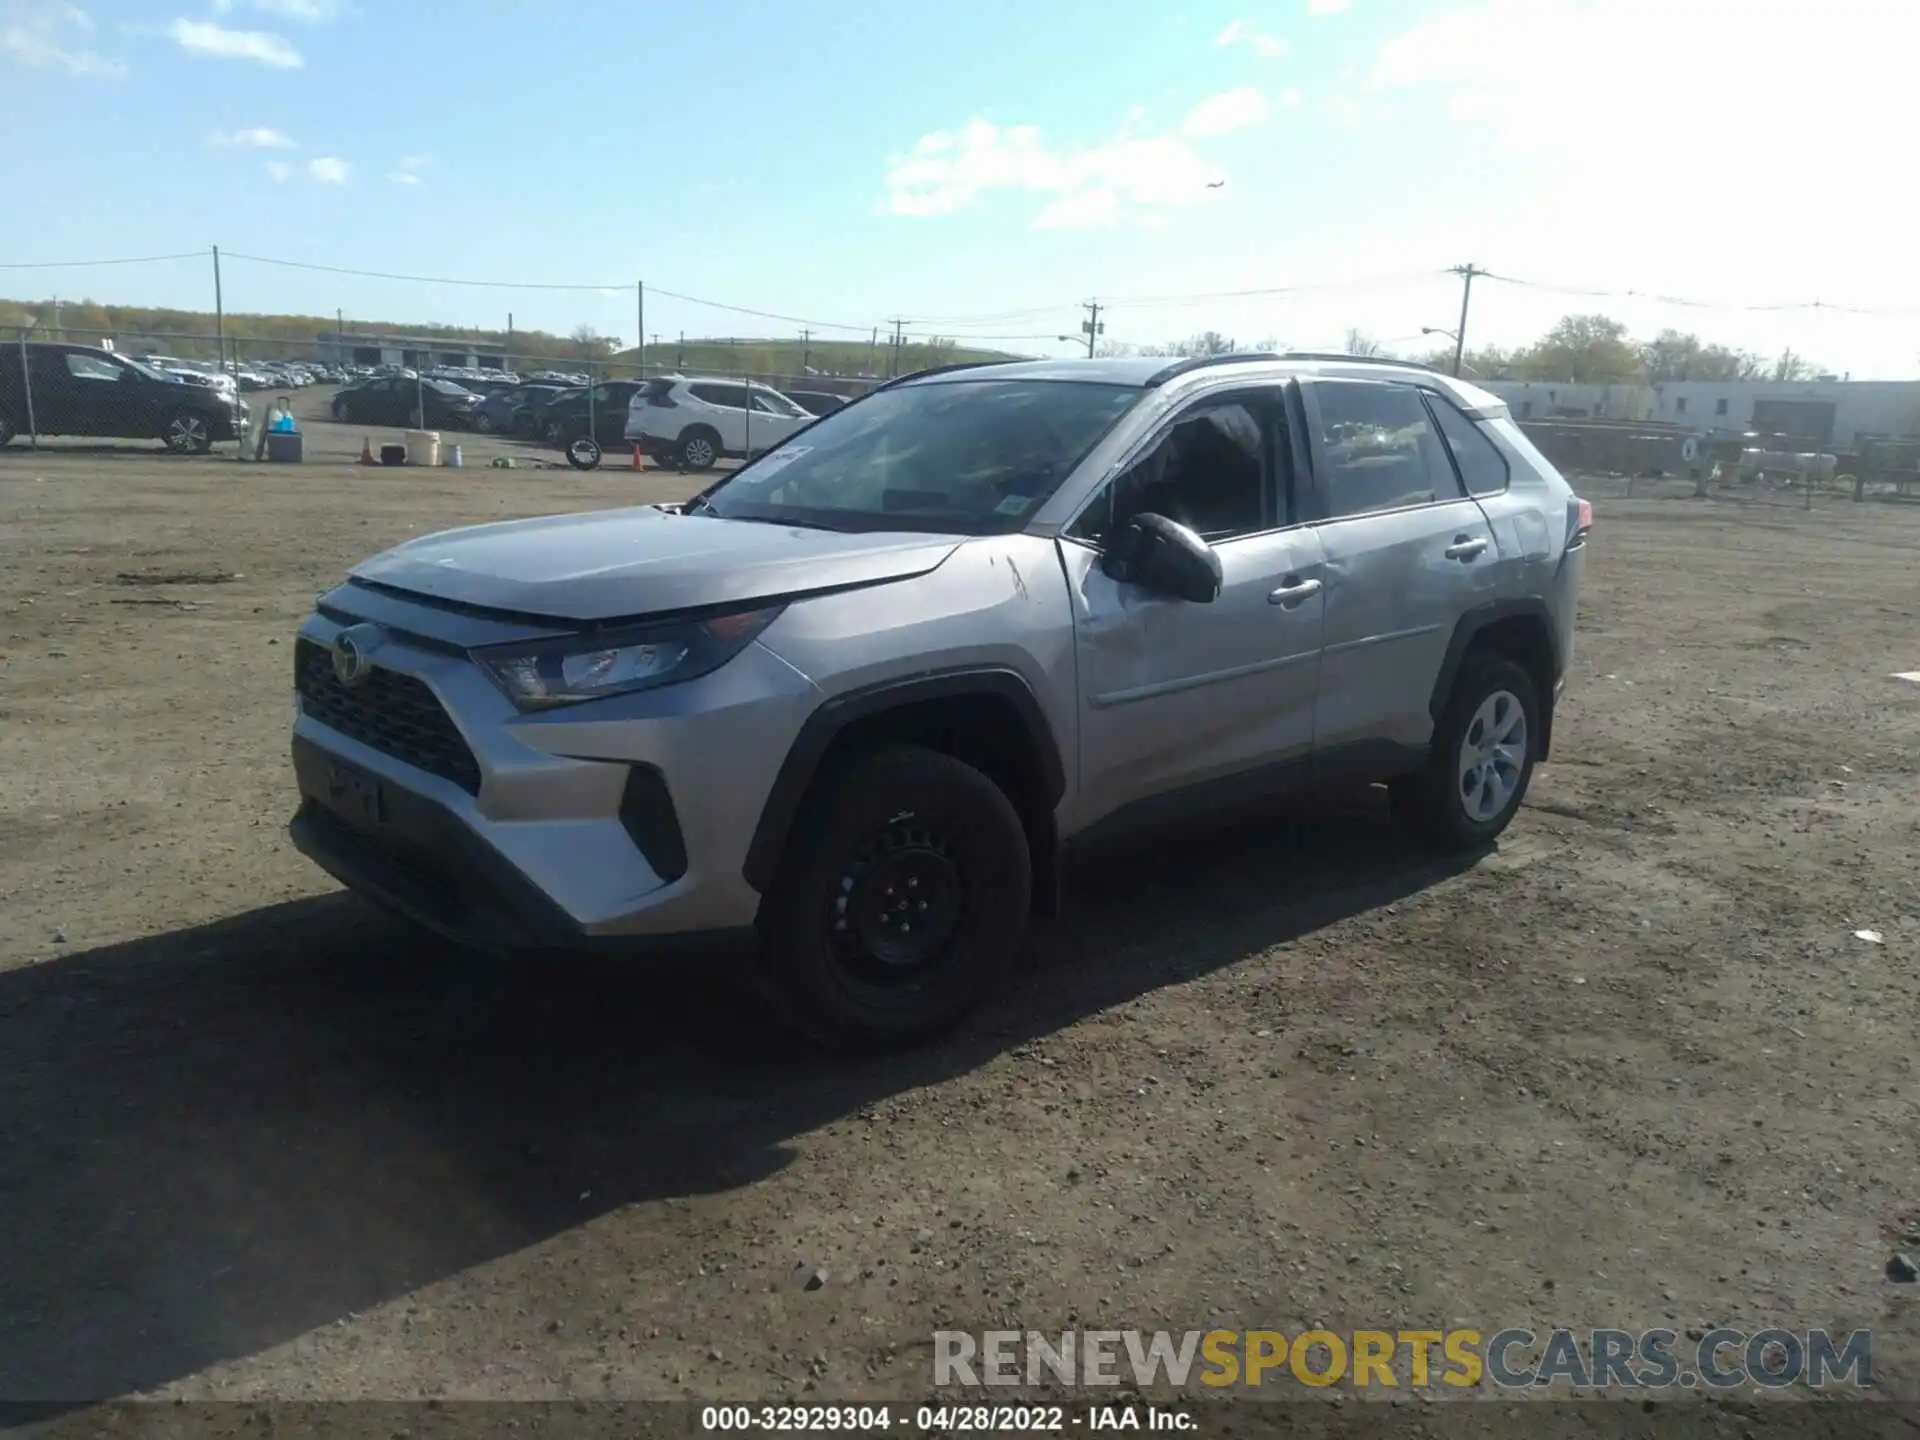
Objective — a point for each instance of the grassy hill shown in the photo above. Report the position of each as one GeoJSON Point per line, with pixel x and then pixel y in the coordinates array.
{"type": "Point", "coordinates": [189, 333]}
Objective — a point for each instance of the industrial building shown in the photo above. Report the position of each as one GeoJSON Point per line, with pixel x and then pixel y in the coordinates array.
{"type": "Point", "coordinates": [1836, 414]}
{"type": "Point", "coordinates": [333, 347]}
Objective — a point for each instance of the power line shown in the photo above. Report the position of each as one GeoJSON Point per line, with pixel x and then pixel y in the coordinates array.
{"type": "Point", "coordinates": [1376, 282]}
{"type": "Point", "coordinates": [1692, 303]}
{"type": "Point", "coordinates": [537, 285]}
{"type": "Point", "coordinates": [89, 264]}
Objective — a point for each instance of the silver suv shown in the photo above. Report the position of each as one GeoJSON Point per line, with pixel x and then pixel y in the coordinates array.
{"type": "Point", "coordinates": [861, 695]}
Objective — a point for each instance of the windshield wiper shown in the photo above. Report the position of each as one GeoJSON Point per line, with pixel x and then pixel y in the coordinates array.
{"type": "Point", "coordinates": [795, 524]}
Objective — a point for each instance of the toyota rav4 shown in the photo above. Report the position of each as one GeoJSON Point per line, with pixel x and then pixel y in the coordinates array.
{"type": "Point", "coordinates": [862, 694]}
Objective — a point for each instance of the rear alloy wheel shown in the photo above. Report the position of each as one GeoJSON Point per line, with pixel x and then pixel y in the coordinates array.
{"type": "Point", "coordinates": [481, 424]}
{"type": "Point", "coordinates": [1481, 759]}
{"type": "Point", "coordinates": [552, 432]}
{"type": "Point", "coordinates": [698, 451]}
{"type": "Point", "coordinates": [187, 433]}
{"type": "Point", "coordinates": [900, 902]}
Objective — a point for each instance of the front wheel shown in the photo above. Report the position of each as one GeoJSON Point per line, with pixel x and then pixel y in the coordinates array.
{"type": "Point", "coordinates": [1482, 757]}
{"type": "Point", "coordinates": [900, 902]}
{"type": "Point", "coordinates": [187, 433]}
{"type": "Point", "coordinates": [698, 450]}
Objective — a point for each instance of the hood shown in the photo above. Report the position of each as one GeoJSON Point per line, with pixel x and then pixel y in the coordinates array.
{"type": "Point", "coordinates": [628, 563]}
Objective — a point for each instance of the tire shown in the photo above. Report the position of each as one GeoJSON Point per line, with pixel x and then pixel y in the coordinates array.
{"type": "Point", "coordinates": [340, 410]}
{"type": "Point", "coordinates": [835, 950]}
{"type": "Point", "coordinates": [1471, 788]}
{"type": "Point", "coordinates": [7, 431]}
{"type": "Point", "coordinates": [553, 432]}
{"type": "Point", "coordinates": [583, 453]}
{"type": "Point", "coordinates": [187, 432]}
{"type": "Point", "coordinates": [481, 424]}
{"type": "Point", "coordinates": [698, 449]}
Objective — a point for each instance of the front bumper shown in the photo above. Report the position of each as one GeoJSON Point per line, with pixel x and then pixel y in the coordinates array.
{"type": "Point", "coordinates": [595, 825]}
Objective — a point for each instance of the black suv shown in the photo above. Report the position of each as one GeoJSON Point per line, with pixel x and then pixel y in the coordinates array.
{"type": "Point", "coordinates": [78, 390]}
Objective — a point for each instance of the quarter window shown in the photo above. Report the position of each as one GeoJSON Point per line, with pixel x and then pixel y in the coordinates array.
{"type": "Point", "coordinates": [1379, 449]}
{"type": "Point", "coordinates": [1481, 465]}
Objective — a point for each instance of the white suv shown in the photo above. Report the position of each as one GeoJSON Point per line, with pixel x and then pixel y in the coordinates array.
{"type": "Point", "coordinates": [690, 423]}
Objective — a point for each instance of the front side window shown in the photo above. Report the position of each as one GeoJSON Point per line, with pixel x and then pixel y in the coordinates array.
{"type": "Point", "coordinates": [1379, 449]}
{"type": "Point", "coordinates": [92, 367]}
{"type": "Point", "coordinates": [1208, 471]}
{"type": "Point", "coordinates": [959, 457]}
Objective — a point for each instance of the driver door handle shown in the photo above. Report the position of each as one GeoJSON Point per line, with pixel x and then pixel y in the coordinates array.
{"type": "Point", "coordinates": [1293, 592]}
{"type": "Point", "coordinates": [1465, 547]}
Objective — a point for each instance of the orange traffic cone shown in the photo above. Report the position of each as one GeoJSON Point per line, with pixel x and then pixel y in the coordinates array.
{"type": "Point", "coordinates": [639, 460]}
{"type": "Point", "coordinates": [366, 452]}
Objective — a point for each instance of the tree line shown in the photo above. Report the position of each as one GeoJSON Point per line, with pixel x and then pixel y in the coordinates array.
{"type": "Point", "coordinates": [1579, 349]}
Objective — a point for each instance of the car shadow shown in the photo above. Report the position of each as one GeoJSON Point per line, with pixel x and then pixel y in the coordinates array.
{"type": "Point", "coordinates": [225, 1136]}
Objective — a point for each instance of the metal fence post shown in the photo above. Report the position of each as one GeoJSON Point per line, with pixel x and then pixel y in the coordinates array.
{"type": "Point", "coordinates": [26, 386]}
{"type": "Point", "coordinates": [593, 425]}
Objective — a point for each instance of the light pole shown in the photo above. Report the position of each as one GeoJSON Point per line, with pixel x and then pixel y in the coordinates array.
{"type": "Point", "coordinates": [1459, 362]}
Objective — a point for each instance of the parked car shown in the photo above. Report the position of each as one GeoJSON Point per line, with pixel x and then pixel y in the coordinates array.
{"type": "Point", "coordinates": [690, 424]}
{"type": "Point", "coordinates": [506, 411]}
{"type": "Point", "coordinates": [398, 400]}
{"type": "Point", "coordinates": [865, 694]}
{"type": "Point", "coordinates": [567, 417]}
{"type": "Point", "coordinates": [80, 390]}
{"type": "Point", "coordinates": [527, 420]}
{"type": "Point", "coordinates": [816, 402]}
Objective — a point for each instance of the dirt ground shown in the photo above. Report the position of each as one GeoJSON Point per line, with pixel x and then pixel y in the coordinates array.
{"type": "Point", "coordinates": [1632, 1069]}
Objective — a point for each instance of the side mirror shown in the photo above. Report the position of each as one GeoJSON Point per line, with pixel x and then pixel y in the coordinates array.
{"type": "Point", "coordinates": [1164, 556]}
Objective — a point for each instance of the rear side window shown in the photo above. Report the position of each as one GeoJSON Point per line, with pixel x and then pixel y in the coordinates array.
{"type": "Point", "coordinates": [658, 390]}
{"type": "Point", "coordinates": [1482, 467]}
{"type": "Point", "coordinates": [1380, 450]}
{"type": "Point", "coordinates": [730, 397]}
{"type": "Point", "coordinates": [89, 367]}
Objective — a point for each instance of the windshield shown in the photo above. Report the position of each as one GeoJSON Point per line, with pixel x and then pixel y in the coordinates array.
{"type": "Point", "coordinates": [146, 368]}
{"type": "Point", "coordinates": [447, 387]}
{"type": "Point", "coordinates": [964, 457]}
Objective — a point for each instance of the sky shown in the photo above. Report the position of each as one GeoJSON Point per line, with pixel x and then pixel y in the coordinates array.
{"type": "Point", "coordinates": [1271, 169]}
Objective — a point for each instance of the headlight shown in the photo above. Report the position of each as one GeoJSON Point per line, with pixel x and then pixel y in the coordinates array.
{"type": "Point", "coordinates": [587, 667]}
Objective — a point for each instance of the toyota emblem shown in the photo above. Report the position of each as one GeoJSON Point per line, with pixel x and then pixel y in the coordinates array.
{"type": "Point", "coordinates": [353, 653]}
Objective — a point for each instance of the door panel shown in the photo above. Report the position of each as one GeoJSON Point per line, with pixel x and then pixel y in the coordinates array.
{"type": "Point", "coordinates": [1175, 694]}
{"type": "Point", "coordinates": [56, 405]}
{"type": "Point", "coordinates": [1406, 555]}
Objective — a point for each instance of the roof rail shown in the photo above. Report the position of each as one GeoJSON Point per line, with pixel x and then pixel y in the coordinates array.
{"type": "Point", "coordinates": [1334, 356]}
{"type": "Point", "coordinates": [935, 370]}
{"type": "Point", "coordinates": [1198, 362]}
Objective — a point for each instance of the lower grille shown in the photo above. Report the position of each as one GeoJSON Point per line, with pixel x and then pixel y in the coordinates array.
{"type": "Point", "coordinates": [394, 713]}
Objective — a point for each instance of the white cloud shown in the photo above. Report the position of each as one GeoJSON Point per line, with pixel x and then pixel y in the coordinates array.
{"type": "Point", "coordinates": [307, 12]}
{"type": "Point", "coordinates": [1580, 214]}
{"type": "Point", "coordinates": [1291, 97]}
{"type": "Point", "coordinates": [1239, 32]}
{"type": "Point", "coordinates": [258, 138]}
{"type": "Point", "coordinates": [1327, 7]}
{"type": "Point", "coordinates": [950, 169]}
{"type": "Point", "coordinates": [1226, 112]}
{"type": "Point", "coordinates": [280, 171]}
{"type": "Point", "coordinates": [403, 177]}
{"type": "Point", "coordinates": [47, 35]}
{"type": "Point", "coordinates": [329, 171]}
{"type": "Point", "coordinates": [203, 37]}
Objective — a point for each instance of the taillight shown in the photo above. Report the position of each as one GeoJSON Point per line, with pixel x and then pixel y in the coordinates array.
{"type": "Point", "coordinates": [1579, 521]}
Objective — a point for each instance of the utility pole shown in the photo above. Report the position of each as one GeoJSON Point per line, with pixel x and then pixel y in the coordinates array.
{"type": "Point", "coordinates": [899, 340]}
{"type": "Point", "coordinates": [640, 335]}
{"type": "Point", "coordinates": [680, 352]}
{"type": "Point", "coordinates": [509, 337]}
{"type": "Point", "coordinates": [219, 313]}
{"type": "Point", "coordinates": [806, 350]}
{"type": "Point", "coordinates": [340, 337]}
{"type": "Point", "coordinates": [1466, 273]}
{"type": "Point", "coordinates": [1092, 325]}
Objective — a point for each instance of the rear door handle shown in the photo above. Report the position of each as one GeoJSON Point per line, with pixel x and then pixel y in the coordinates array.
{"type": "Point", "coordinates": [1293, 592]}
{"type": "Point", "coordinates": [1465, 547]}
